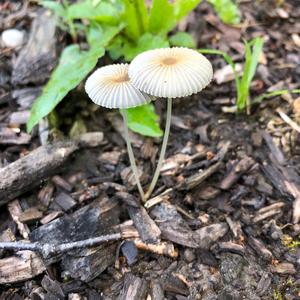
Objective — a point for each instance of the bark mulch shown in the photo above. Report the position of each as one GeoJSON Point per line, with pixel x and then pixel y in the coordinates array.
{"type": "Point", "coordinates": [223, 222]}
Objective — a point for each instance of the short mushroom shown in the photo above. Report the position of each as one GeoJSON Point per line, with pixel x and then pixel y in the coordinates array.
{"type": "Point", "coordinates": [169, 73]}
{"type": "Point", "coordinates": [110, 87]}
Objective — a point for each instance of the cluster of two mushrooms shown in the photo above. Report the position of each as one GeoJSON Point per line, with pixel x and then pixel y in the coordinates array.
{"type": "Point", "coordinates": [167, 73]}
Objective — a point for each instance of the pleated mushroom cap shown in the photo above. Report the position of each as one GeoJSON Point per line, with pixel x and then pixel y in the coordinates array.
{"type": "Point", "coordinates": [110, 87]}
{"type": "Point", "coordinates": [170, 72]}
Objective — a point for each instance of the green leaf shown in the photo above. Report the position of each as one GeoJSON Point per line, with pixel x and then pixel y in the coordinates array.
{"type": "Point", "coordinates": [145, 42]}
{"type": "Point", "coordinates": [136, 18]}
{"type": "Point", "coordinates": [116, 48]}
{"type": "Point", "coordinates": [252, 52]}
{"type": "Point", "coordinates": [103, 12]}
{"type": "Point", "coordinates": [162, 17]}
{"type": "Point", "coordinates": [183, 7]}
{"type": "Point", "coordinates": [182, 39]}
{"type": "Point", "coordinates": [144, 120]}
{"type": "Point", "coordinates": [227, 10]}
{"type": "Point", "coordinates": [74, 65]}
{"type": "Point", "coordinates": [101, 35]}
{"type": "Point", "coordinates": [56, 7]}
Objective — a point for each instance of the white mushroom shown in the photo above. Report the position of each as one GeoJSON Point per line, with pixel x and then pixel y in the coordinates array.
{"type": "Point", "coordinates": [110, 87]}
{"type": "Point", "coordinates": [170, 73]}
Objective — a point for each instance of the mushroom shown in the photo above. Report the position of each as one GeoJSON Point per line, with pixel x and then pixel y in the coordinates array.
{"type": "Point", "coordinates": [110, 87]}
{"type": "Point", "coordinates": [169, 73]}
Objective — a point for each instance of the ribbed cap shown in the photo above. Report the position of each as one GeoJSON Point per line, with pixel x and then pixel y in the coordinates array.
{"type": "Point", "coordinates": [170, 72]}
{"type": "Point", "coordinates": [110, 87]}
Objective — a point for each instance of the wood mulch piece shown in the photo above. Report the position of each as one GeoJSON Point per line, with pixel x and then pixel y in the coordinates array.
{"type": "Point", "coordinates": [223, 222]}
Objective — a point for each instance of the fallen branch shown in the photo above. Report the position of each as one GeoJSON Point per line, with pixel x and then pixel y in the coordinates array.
{"type": "Point", "coordinates": [47, 250]}
{"type": "Point", "coordinates": [28, 171]}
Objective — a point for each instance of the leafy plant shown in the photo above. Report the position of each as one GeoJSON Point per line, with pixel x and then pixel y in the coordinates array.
{"type": "Point", "coordinates": [125, 28]}
{"type": "Point", "coordinates": [144, 120]}
{"type": "Point", "coordinates": [73, 66]}
{"type": "Point", "coordinates": [252, 52]}
{"type": "Point", "coordinates": [227, 10]}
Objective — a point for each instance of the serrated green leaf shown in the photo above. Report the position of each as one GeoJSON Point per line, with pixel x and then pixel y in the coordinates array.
{"type": "Point", "coordinates": [73, 67]}
{"type": "Point", "coordinates": [136, 18]}
{"type": "Point", "coordinates": [144, 120]}
{"type": "Point", "coordinates": [182, 39]}
{"type": "Point", "coordinates": [183, 7]}
{"type": "Point", "coordinates": [103, 12]}
{"type": "Point", "coordinates": [227, 10]}
{"type": "Point", "coordinates": [162, 17]}
{"type": "Point", "coordinates": [145, 42]}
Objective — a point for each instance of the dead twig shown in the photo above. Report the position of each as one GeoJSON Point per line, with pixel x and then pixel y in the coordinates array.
{"type": "Point", "coordinates": [47, 250]}
{"type": "Point", "coordinates": [288, 120]}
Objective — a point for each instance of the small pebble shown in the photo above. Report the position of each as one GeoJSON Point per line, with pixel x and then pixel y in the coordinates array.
{"type": "Point", "coordinates": [12, 38]}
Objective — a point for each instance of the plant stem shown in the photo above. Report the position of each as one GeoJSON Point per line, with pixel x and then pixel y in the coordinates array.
{"type": "Point", "coordinates": [131, 156]}
{"type": "Point", "coordinates": [162, 151]}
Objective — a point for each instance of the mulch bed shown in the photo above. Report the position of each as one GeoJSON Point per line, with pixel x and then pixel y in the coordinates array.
{"type": "Point", "coordinates": [223, 222]}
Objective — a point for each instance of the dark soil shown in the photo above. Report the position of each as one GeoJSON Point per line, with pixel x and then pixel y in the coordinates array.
{"type": "Point", "coordinates": [231, 235]}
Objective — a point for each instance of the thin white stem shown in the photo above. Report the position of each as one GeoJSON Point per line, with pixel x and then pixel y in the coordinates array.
{"type": "Point", "coordinates": [131, 156]}
{"type": "Point", "coordinates": [162, 151]}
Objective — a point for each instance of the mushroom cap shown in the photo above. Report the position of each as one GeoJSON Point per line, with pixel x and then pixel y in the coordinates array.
{"type": "Point", "coordinates": [170, 72]}
{"type": "Point", "coordinates": [110, 87]}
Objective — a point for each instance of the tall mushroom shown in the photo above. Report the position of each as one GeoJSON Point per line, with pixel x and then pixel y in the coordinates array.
{"type": "Point", "coordinates": [169, 73]}
{"type": "Point", "coordinates": [110, 87]}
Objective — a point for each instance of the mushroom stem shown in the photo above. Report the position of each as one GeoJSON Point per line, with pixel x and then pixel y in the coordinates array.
{"type": "Point", "coordinates": [131, 156]}
{"type": "Point", "coordinates": [162, 151]}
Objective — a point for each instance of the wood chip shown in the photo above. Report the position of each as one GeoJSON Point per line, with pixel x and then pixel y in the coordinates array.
{"type": "Point", "coordinates": [134, 288]}
{"type": "Point", "coordinates": [50, 217]}
{"type": "Point", "coordinates": [19, 117]}
{"type": "Point", "coordinates": [15, 211]}
{"type": "Point", "coordinates": [9, 136]}
{"type": "Point", "coordinates": [237, 171]}
{"type": "Point", "coordinates": [268, 211]}
{"type": "Point", "coordinates": [147, 228]}
{"type": "Point", "coordinates": [162, 248]}
{"type": "Point", "coordinates": [30, 215]}
{"type": "Point", "coordinates": [206, 236]}
{"type": "Point", "coordinates": [284, 268]}
{"type": "Point", "coordinates": [6, 236]}
{"type": "Point", "coordinates": [111, 157]}
{"type": "Point", "coordinates": [260, 248]}
{"type": "Point", "coordinates": [175, 229]}
{"type": "Point", "coordinates": [62, 183]}
{"type": "Point", "coordinates": [231, 247]}
{"type": "Point", "coordinates": [65, 201]}
{"type": "Point", "coordinates": [196, 179]}
{"type": "Point", "coordinates": [23, 266]}
{"type": "Point", "coordinates": [156, 290]}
